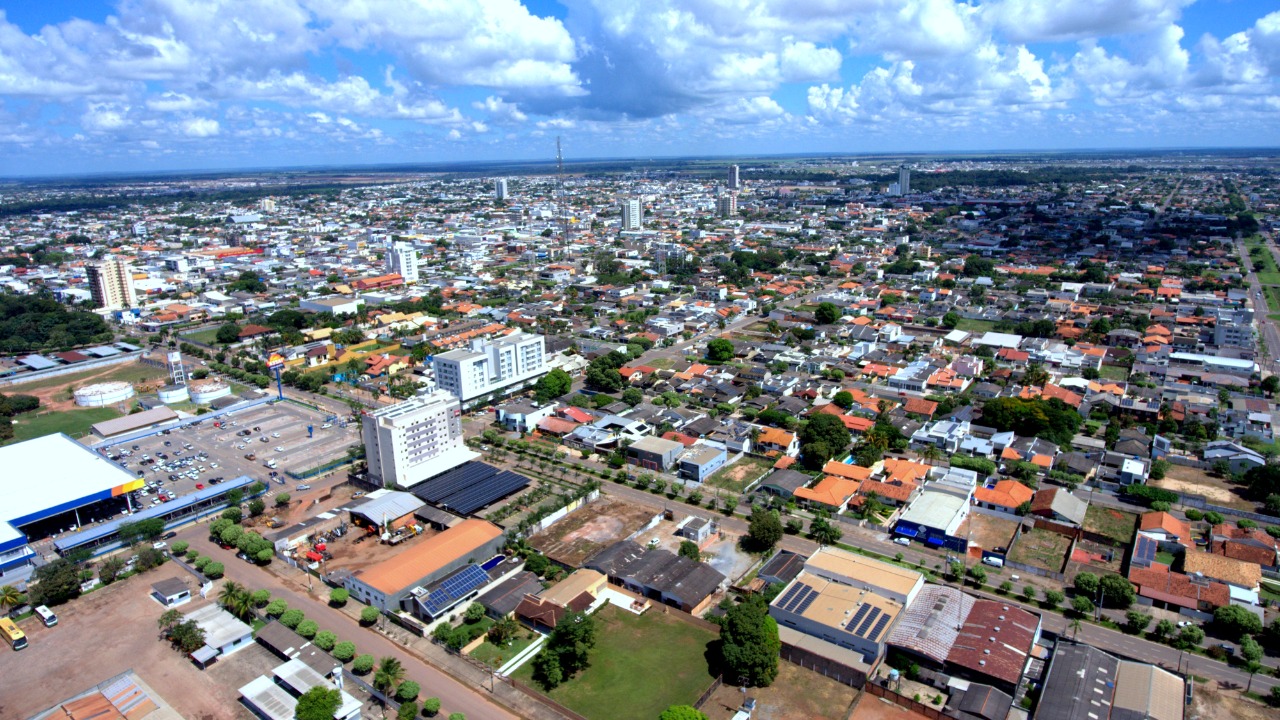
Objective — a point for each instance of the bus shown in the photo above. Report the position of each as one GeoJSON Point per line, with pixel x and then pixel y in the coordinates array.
{"type": "Point", "coordinates": [11, 633]}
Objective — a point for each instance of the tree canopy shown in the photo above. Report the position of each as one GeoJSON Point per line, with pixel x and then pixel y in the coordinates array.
{"type": "Point", "coordinates": [318, 703]}
{"type": "Point", "coordinates": [567, 650]}
{"type": "Point", "coordinates": [749, 643]}
{"type": "Point", "coordinates": [826, 313]}
{"type": "Point", "coordinates": [552, 385]}
{"type": "Point", "coordinates": [1050, 419]}
{"type": "Point", "coordinates": [39, 322]}
{"type": "Point", "coordinates": [719, 350]}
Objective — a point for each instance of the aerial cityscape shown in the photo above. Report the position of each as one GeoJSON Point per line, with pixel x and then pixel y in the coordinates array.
{"type": "Point", "coordinates": [596, 361]}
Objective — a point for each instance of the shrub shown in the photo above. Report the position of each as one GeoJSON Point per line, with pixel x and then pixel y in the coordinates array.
{"type": "Point", "coordinates": [363, 664]}
{"type": "Point", "coordinates": [325, 640]}
{"type": "Point", "coordinates": [214, 570]}
{"type": "Point", "coordinates": [344, 650]}
{"type": "Point", "coordinates": [457, 716]}
{"type": "Point", "coordinates": [292, 618]}
{"type": "Point", "coordinates": [431, 707]}
{"type": "Point", "coordinates": [369, 615]}
{"type": "Point", "coordinates": [308, 629]}
{"type": "Point", "coordinates": [180, 547]}
{"type": "Point", "coordinates": [202, 562]}
{"type": "Point", "coordinates": [407, 691]}
{"type": "Point", "coordinates": [1194, 514]}
{"type": "Point", "coordinates": [407, 711]}
{"type": "Point", "coordinates": [260, 597]}
{"type": "Point", "coordinates": [338, 597]}
{"type": "Point", "coordinates": [276, 607]}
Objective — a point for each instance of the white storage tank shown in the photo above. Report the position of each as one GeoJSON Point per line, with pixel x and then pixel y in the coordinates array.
{"type": "Point", "coordinates": [203, 393]}
{"type": "Point", "coordinates": [170, 394]}
{"type": "Point", "coordinates": [101, 394]}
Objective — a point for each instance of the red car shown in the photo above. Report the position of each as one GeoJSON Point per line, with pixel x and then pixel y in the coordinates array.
{"type": "Point", "coordinates": [199, 486]}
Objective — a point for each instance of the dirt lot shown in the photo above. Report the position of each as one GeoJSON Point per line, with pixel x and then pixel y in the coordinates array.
{"type": "Point", "coordinates": [797, 694]}
{"type": "Point", "coordinates": [590, 529]}
{"type": "Point", "coordinates": [347, 553]}
{"type": "Point", "coordinates": [55, 393]}
{"type": "Point", "coordinates": [1219, 491]}
{"type": "Point", "coordinates": [1041, 548]}
{"type": "Point", "coordinates": [988, 531]}
{"type": "Point", "coordinates": [737, 475]}
{"type": "Point", "coordinates": [1095, 556]}
{"type": "Point", "coordinates": [1210, 703]}
{"type": "Point", "coordinates": [874, 708]}
{"type": "Point", "coordinates": [112, 630]}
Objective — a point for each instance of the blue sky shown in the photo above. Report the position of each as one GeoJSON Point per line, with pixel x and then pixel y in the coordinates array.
{"type": "Point", "coordinates": [172, 85]}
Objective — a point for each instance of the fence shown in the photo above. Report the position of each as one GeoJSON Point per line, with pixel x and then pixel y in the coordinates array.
{"type": "Point", "coordinates": [929, 711]}
{"type": "Point", "coordinates": [558, 515]}
{"type": "Point", "coordinates": [539, 697]}
{"type": "Point", "coordinates": [69, 369]}
{"type": "Point", "coordinates": [706, 694]}
{"type": "Point", "coordinates": [373, 692]}
{"type": "Point", "coordinates": [327, 467]}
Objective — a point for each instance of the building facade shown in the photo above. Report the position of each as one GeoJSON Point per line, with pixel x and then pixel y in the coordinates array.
{"type": "Point", "coordinates": [491, 366]}
{"type": "Point", "coordinates": [727, 205]}
{"type": "Point", "coordinates": [632, 214]}
{"type": "Point", "coordinates": [111, 283]}
{"type": "Point", "coordinates": [734, 179]}
{"type": "Point", "coordinates": [414, 440]}
{"type": "Point", "coordinates": [402, 259]}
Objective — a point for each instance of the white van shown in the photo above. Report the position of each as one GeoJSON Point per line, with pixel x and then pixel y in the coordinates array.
{"type": "Point", "coordinates": [993, 561]}
{"type": "Point", "coordinates": [46, 616]}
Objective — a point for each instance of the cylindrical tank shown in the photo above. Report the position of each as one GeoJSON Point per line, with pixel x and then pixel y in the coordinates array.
{"type": "Point", "coordinates": [203, 393]}
{"type": "Point", "coordinates": [100, 394]}
{"type": "Point", "coordinates": [170, 394]}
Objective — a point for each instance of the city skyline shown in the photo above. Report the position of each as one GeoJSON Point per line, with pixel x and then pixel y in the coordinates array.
{"type": "Point", "coordinates": [159, 85]}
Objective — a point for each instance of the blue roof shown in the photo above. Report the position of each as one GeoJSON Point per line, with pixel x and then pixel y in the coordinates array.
{"type": "Point", "coordinates": [37, 362]}
{"type": "Point", "coordinates": [456, 586]}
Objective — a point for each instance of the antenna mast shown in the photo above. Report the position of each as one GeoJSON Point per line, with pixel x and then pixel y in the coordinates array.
{"type": "Point", "coordinates": [562, 196]}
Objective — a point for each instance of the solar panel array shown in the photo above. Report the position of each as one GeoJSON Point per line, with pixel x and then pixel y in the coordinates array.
{"type": "Point", "coordinates": [1144, 552]}
{"type": "Point", "coordinates": [866, 622]}
{"type": "Point", "coordinates": [879, 628]}
{"type": "Point", "coordinates": [799, 598]}
{"type": "Point", "coordinates": [455, 586]}
{"type": "Point", "coordinates": [470, 487]}
{"type": "Point", "coordinates": [790, 594]}
{"type": "Point", "coordinates": [857, 617]}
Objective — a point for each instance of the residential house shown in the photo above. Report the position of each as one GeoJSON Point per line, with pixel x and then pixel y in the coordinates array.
{"type": "Point", "coordinates": [1059, 505]}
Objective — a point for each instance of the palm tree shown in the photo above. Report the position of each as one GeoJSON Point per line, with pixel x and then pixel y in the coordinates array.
{"type": "Point", "coordinates": [1074, 627]}
{"type": "Point", "coordinates": [236, 599]}
{"type": "Point", "coordinates": [390, 673]}
{"type": "Point", "coordinates": [9, 596]}
{"type": "Point", "coordinates": [931, 454]}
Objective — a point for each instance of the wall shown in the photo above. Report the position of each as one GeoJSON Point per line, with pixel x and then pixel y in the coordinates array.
{"type": "Point", "coordinates": [830, 668]}
{"type": "Point", "coordinates": [933, 712]}
{"type": "Point", "coordinates": [70, 369]}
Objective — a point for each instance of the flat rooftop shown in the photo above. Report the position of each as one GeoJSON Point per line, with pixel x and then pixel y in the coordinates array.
{"type": "Point", "coordinates": [936, 509]}
{"type": "Point", "coordinates": [70, 476]}
{"type": "Point", "coordinates": [843, 608]}
{"type": "Point", "coordinates": [864, 569]}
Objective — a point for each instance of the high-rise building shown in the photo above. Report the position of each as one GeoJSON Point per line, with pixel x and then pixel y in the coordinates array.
{"type": "Point", "coordinates": [727, 205]}
{"type": "Point", "coordinates": [904, 180]}
{"type": "Point", "coordinates": [632, 214]}
{"type": "Point", "coordinates": [491, 366]}
{"type": "Point", "coordinates": [734, 179]}
{"type": "Point", "coordinates": [267, 205]}
{"type": "Point", "coordinates": [414, 440]}
{"type": "Point", "coordinates": [111, 282]}
{"type": "Point", "coordinates": [500, 188]}
{"type": "Point", "coordinates": [403, 259]}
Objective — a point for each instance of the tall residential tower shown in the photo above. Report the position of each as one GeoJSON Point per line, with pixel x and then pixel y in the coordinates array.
{"type": "Point", "coordinates": [111, 283]}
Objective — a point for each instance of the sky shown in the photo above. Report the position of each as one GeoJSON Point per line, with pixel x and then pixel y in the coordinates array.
{"type": "Point", "coordinates": [153, 85]}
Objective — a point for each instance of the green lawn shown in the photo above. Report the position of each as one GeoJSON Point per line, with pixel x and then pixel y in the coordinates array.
{"type": "Point", "coordinates": [975, 326]}
{"type": "Point", "coordinates": [1041, 548]}
{"type": "Point", "coordinates": [1270, 277]}
{"type": "Point", "coordinates": [1165, 558]}
{"type": "Point", "coordinates": [1117, 525]}
{"type": "Point", "coordinates": [72, 422]}
{"type": "Point", "coordinates": [208, 336]}
{"type": "Point", "coordinates": [1114, 372]}
{"type": "Point", "coordinates": [740, 474]}
{"type": "Point", "coordinates": [641, 665]}
{"type": "Point", "coordinates": [495, 656]}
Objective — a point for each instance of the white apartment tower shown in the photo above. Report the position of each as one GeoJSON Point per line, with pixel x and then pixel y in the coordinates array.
{"type": "Point", "coordinates": [403, 259]}
{"type": "Point", "coordinates": [414, 440]}
{"type": "Point", "coordinates": [632, 214]}
{"type": "Point", "coordinates": [500, 189]}
{"type": "Point", "coordinates": [727, 205]}
{"type": "Point", "coordinates": [734, 180]}
{"type": "Point", "coordinates": [111, 282]}
{"type": "Point", "coordinates": [904, 180]}
{"type": "Point", "coordinates": [491, 366]}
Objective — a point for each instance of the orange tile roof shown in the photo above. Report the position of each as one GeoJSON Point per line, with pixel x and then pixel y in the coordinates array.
{"type": "Point", "coordinates": [427, 556]}
{"type": "Point", "coordinates": [775, 436]}
{"type": "Point", "coordinates": [901, 470]}
{"type": "Point", "coordinates": [1180, 529]}
{"type": "Point", "coordinates": [846, 470]}
{"type": "Point", "coordinates": [833, 491]}
{"type": "Point", "coordinates": [1006, 493]}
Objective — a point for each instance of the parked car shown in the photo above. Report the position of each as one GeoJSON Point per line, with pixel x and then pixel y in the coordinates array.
{"type": "Point", "coordinates": [304, 487]}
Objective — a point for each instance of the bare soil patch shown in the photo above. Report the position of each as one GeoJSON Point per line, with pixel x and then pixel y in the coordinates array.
{"type": "Point", "coordinates": [590, 529]}
{"type": "Point", "coordinates": [797, 694]}
{"type": "Point", "coordinates": [1042, 549]}
{"type": "Point", "coordinates": [1195, 481]}
{"type": "Point", "coordinates": [988, 531]}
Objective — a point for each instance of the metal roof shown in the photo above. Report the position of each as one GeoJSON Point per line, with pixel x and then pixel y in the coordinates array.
{"type": "Point", "coordinates": [71, 476]}
{"type": "Point", "coordinates": [390, 506]}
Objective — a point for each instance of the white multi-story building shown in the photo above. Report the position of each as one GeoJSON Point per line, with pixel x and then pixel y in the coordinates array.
{"type": "Point", "coordinates": [403, 259]}
{"type": "Point", "coordinates": [500, 189]}
{"type": "Point", "coordinates": [632, 214]}
{"type": "Point", "coordinates": [415, 440]}
{"type": "Point", "coordinates": [491, 366]}
{"type": "Point", "coordinates": [727, 205]}
{"type": "Point", "coordinates": [111, 282]}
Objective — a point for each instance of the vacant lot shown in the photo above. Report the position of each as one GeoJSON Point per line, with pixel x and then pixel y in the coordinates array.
{"type": "Point", "coordinates": [1042, 549]}
{"type": "Point", "coordinates": [1114, 372]}
{"type": "Point", "coordinates": [61, 385]}
{"type": "Point", "coordinates": [208, 336]}
{"type": "Point", "coordinates": [590, 529]}
{"type": "Point", "coordinates": [797, 694]}
{"type": "Point", "coordinates": [641, 665]}
{"type": "Point", "coordinates": [740, 474]}
{"type": "Point", "coordinates": [1115, 524]}
{"type": "Point", "coordinates": [1220, 491]}
{"type": "Point", "coordinates": [988, 531]}
{"type": "Point", "coordinates": [975, 326]}
{"type": "Point", "coordinates": [75, 423]}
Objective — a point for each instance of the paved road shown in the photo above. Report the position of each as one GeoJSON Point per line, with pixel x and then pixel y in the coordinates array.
{"type": "Point", "coordinates": [454, 696]}
{"type": "Point", "coordinates": [1266, 327]}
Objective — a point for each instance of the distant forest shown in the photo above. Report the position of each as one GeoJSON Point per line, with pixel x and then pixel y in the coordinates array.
{"type": "Point", "coordinates": [30, 324]}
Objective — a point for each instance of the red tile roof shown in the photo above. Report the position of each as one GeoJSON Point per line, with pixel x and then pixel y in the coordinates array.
{"type": "Point", "coordinates": [995, 640]}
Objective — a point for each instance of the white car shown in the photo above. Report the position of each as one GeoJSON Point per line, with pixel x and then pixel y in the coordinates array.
{"type": "Point", "coordinates": [275, 434]}
{"type": "Point", "coordinates": [213, 465]}
{"type": "Point", "coordinates": [160, 545]}
{"type": "Point", "coordinates": [279, 448]}
{"type": "Point", "coordinates": [326, 426]}
{"type": "Point", "coordinates": [304, 487]}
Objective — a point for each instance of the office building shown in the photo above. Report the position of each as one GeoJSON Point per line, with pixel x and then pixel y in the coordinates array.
{"type": "Point", "coordinates": [727, 205]}
{"type": "Point", "coordinates": [734, 179]}
{"type": "Point", "coordinates": [500, 189]}
{"type": "Point", "coordinates": [491, 366]}
{"type": "Point", "coordinates": [111, 283]}
{"type": "Point", "coordinates": [632, 214]}
{"type": "Point", "coordinates": [414, 440]}
{"type": "Point", "coordinates": [402, 260]}
{"type": "Point", "coordinates": [904, 180]}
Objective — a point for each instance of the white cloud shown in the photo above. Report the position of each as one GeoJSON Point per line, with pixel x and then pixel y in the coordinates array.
{"type": "Point", "coordinates": [176, 102]}
{"type": "Point", "coordinates": [806, 62]}
{"type": "Point", "coordinates": [1035, 20]}
{"type": "Point", "coordinates": [500, 109]}
{"type": "Point", "coordinates": [104, 118]}
{"type": "Point", "coordinates": [200, 127]}
{"type": "Point", "coordinates": [1160, 63]}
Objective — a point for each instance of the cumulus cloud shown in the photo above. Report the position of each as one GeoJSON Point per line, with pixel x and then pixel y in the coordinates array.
{"type": "Point", "coordinates": [200, 127]}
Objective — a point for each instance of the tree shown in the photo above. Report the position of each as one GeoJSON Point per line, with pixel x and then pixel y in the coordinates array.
{"type": "Point", "coordinates": [1270, 384]}
{"type": "Point", "coordinates": [431, 706]}
{"type": "Point", "coordinates": [682, 712]}
{"type": "Point", "coordinates": [720, 350]}
{"type": "Point", "coordinates": [843, 400]}
{"type": "Point", "coordinates": [1235, 621]}
{"type": "Point", "coordinates": [235, 599]}
{"type": "Point", "coordinates": [1250, 649]}
{"type": "Point", "coordinates": [276, 608]}
{"type": "Point", "coordinates": [256, 507]}
{"type": "Point", "coordinates": [764, 530]}
{"type": "Point", "coordinates": [632, 396]}
{"type": "Point", "coordinates": [1189, 637]}
{"type": "Point", "coordinates": [552, 385]}
{"type": "Point", "coordinates": [1117, 592]}
{"type": "Point", "coordinates": [10, 597]}
{"type": "Point", "coordinates": [318, 703]}
{"type": "Point", "coordinates": [408, 690]}
{"type": "Point", "coordinates": [362, 664]}
{"type": "Point", "coordinates": [187, 636]}
{"type": "Point", "coordinates": [1028, 593]}
{"type": "Point", "coordinates": [307, 628]}
{"type": "Point", "coordinates": [950, 321]}
{"type": "Point", "coordinates": [291, 618]}
{"type": "Point", "coordinates": [389, 674]}
{"type": "Point", "coordinates": [1165, 628]}
{"type": "Point", "coordinates": [1086, 583]}
{"type": "Point", "coordinates": [325, 640]}
{"type": "Point", "coordinates": [214, 570]}
{"type": "Point", "coordinates": [56, 582]}
{"type": "Point", "coordinates": [1035, 374]}
{"type": "Point", "coordinates": [407, 711]}
{"type": "Point", "coordinates": [180, 547]}
{"type": "Point", "coordinates": [339, 596]}
{"type": "Point", "coordinates": [457, 716]}
{"type": "Point", "coordinates": [168, 620]}
{"type": "Point", "coordinates": [344, 650]}
{"type": "Point", "coordinates": [824, 532]}
{"type": "Point", "coordinates": [689, 549]}
{"type": "Point", "coordinates": [567, 650]}
{"type": "Point", "coordinates": [1137, 621]}
{"type": "Point", "coordinates": [749, 643]}
{"type": "Point", "coordinates": [369, 615]}
{"type": "Point", "coordinates": [282, 499]}
{"type": "Point", "coordinates": [1082, 605]}
{"type": "Point", "coordinates": [826, 313]}
{"type": "Point", "coordinates": [110, 569]}
{"type": "Point", "coordinates": [978, 575]}
{"type": "Point", "coordinates": [228, 333]}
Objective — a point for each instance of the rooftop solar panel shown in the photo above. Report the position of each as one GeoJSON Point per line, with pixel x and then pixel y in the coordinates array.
{"type": "Point", "coordinates": [879, 628]}
{"type": "Point", "coordinates": [804, 604]}
{"type": "Point", "coordinates": [799, 598]}
{"type": "Point", "coordinates": [857, 617]}
{"type": "Point", "coordinates": [790, 594]}
{"type": "Point", "coordinates": [470, 487]}
{"type": "Point", "coordinates": [455, 586]}
{"type": "Point", "coordinates": [866, 623]}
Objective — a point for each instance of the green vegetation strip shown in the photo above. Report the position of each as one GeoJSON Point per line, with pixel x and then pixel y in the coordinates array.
{"type": "Point", "coordinates": [75, 423]}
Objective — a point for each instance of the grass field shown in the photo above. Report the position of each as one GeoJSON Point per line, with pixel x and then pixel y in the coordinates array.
{"type": "Point", "coordinates": [971, 325]}
{"type": "Point", "coordinates": [1114, 372]}
{"type": "Point", "coordinates": [1270, 277]}
{"type": "Point", "coordinates": [208, 336]}
{"type": "Point", "coordinates": [1041, 548]}
{"type": "Point", "coordinates": [129, 372]}
{"type": "Point", "coordinates": [641, 665]}
{"type": "Point", "coordinates": [1117, 525]}
{"type": "Point", "coordinates": [1273, 296]}
{"type": "Point", "coordinates": [72, 422]}
{"type": "Point", "coordinates": [495, 656]}
{"type": "Point", "coordinates": [740, 474]}
{"type": "Point", "coordinates": [662, 363]}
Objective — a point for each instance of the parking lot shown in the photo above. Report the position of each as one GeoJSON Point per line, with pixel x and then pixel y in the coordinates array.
{"type": "Point", "coordinates": [196, 456]}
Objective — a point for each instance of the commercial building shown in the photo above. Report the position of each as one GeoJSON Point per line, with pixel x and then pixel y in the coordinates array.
{"type": "Point", "coordinates": [654, 453]}
{"type": "Point", "coordinates": [904, 180]}
{"type": "Point", "coordinates": [852, 618]}
{"type": "Point", "coordinates": [1086, 683]}
{"type": "Point", "coordinates": [887, 580]}
{"type": "Point", "coordinates": [414, 440]}
{"type": "Point", "coordinates": [111, 282]}
{"type": "Point", "coordinates": [391, 584]}
{"type": "Point", "coordinates": [700, 461]}
{"type": "Point", "coordinates": [734, 178]}
{"type": "Point", "coordinates": [632, 214]}
{"type": "Point", "coordinates": [491, 366]}
{"type": "Point", "coordinates": [402, 259]}
{"type": "Point", "coordinates": [659, 574]}
{"type": "Point", "coordinates": [727, 205]}
{"type": "Point", "coordinates": [335, 304]}
{"type": "Point", "coordinates": [224, 634]}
